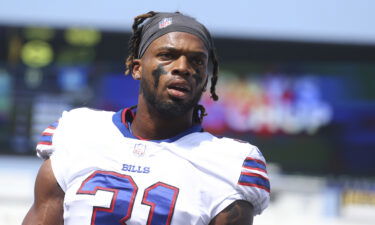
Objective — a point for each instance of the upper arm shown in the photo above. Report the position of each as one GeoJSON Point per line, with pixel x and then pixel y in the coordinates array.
{"type": "Point", "coordinates": [48, 199]}
{"type": "Point", "coordinates": [239, 212]}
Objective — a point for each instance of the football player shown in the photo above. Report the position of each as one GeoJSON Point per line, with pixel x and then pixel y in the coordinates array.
{"type": "Point", "coordinates": [153, 163]}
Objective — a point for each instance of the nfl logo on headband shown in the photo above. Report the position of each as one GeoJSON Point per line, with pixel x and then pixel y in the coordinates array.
{"type": "Point", "coordinates": [165, 22]}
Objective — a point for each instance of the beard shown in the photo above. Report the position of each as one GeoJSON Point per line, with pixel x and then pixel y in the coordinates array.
{"type": "Point", "coordinates": [167, 108]}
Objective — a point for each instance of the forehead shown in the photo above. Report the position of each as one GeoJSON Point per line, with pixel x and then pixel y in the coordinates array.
{"type": "Point", "coordinates": [180, 41]}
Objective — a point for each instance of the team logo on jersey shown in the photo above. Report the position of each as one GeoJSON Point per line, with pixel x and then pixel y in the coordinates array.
{"type": "Point", "coordinates": [139, 149]}
{"type": "Point", "coordinates": [165, 22]}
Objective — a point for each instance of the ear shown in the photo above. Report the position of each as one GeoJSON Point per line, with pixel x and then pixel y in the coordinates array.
{"type": "Point", "coordinates": [137, 69]}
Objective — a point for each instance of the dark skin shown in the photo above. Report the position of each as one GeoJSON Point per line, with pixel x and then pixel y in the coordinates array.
{"type": "Point", "coordinates": [47, 208]}
{"type": "Point", "coordinates": [174, 59]}
{"type": "Point", "coordinates": [236, 213]}
{"type": "Point", "coordinates": [175, 56]}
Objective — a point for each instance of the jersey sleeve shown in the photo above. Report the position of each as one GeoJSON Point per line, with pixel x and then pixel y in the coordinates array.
{"type": "Point", "coordinates": [52, 146]}
{"type": "Point", "coordinates": [45, 146]}
{"type": "Point", "coordinates": [253, 183]}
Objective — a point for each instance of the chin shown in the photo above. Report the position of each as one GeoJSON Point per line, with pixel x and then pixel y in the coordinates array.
{"type": "Point", "coordinates": [169, 106]}
{"type": "Point", "coordinates": [174, 108]}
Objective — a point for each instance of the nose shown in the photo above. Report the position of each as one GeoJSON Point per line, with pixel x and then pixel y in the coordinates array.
{"type": "Point", "coordinates": [182, 67]}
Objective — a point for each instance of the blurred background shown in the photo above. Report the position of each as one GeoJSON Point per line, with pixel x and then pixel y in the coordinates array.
{"type": "Point", "coordinates": [297, 79]}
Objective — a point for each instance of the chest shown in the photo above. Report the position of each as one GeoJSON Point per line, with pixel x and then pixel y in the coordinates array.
{"type": "Point", "coordinates": [139, 184]}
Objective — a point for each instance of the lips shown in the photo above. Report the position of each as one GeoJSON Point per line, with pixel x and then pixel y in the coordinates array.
{"type": "Point", "coordinates": [178, 88]}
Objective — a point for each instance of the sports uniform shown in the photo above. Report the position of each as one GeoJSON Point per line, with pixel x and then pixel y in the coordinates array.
{"type": "Point", "coordinates": [110, 176]}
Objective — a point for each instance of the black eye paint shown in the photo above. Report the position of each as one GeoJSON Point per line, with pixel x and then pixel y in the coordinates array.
{"type": "Point", "coordinates": [197, 76]}
{"type": "Point", "coordinates": [157, 73]}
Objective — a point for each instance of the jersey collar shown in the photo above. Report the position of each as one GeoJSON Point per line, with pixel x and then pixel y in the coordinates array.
{"type": "Point", "coordinates": [123, 119]}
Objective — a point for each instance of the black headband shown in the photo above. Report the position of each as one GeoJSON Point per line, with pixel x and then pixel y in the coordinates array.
{"type": "Point", "coordinates": [163, 23]}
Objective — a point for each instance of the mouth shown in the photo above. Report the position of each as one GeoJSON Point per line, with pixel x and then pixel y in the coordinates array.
{"type": "Point", "coordinates": [178, 89]}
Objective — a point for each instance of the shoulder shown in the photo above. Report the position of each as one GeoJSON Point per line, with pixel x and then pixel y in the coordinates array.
{"type": "Point", "coordinates": [70, 124]}
{"type": "Point", "coordinates": [253, 181]}
{"type": "Point", "coordinates": [237, 143]}
{"type": "Point", "coordinates": [83, 123]}
{"type": "Point", "coordinates": [235, 147]}
{"type": "Point", "coordinates": [246, 150]}
{"type": "Point", "coordinates": [217, 148]}
{"type": "Point", "coordinates": [83, 119]}
{"type": "Point", "coordinates": [84, 114]}
{"type": "Point", "coordinates": [236, 167]}
{"type": "Point", "coordinates": [246, 167]}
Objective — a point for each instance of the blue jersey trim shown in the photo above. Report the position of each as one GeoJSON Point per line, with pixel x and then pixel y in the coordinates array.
{"type": "Point", "coordinates": [254, 180]}
{"type": "Point", "coordinates": [55, 124]}
{"type": "Point", "coordinates": [122, 121]}
{"type": "Point", "coordinates": [44, 138]}
{"type": "Point", "coordinates": [254, 164]}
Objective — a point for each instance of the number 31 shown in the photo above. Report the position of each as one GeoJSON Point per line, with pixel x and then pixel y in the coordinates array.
{"type": "Point", "coordinates": [160, 197]}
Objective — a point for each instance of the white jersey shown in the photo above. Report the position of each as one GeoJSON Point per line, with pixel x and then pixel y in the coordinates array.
{"type": "Point", "coordinates": [112, 177]}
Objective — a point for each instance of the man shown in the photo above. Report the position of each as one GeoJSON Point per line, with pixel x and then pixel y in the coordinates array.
{"type": "Point", "coordinates": [151, 164]}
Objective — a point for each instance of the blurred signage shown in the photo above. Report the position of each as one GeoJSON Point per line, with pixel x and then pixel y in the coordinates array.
{"type": "Point", "coordinates": [38, 47]}
{"type": "Point", "coordinates": [358, 204]}
{"type": "Point", "coordinates": [82, 37]}
{"type": "Point", "coordinates": [269, 105]}
{"type": "Point", "coordinates": [358, 197]}
{"type": "Point", "coordinates": [37, 53]}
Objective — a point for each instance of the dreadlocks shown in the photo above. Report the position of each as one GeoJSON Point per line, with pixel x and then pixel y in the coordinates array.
{"type": "Point", "coordinates": [133, 48]}
{"type": "Point", "coordinates": [135, 40]}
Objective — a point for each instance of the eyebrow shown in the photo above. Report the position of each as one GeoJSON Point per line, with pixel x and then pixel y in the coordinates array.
{"type": "Point", "coordinates": [172, 49]}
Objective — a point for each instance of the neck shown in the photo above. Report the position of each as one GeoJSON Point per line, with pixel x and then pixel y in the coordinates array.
{"type": "Point", "coordinates": [150, 124]}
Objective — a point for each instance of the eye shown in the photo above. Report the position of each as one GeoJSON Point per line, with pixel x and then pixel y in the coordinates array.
{"type": "Point", "coordinates": [165, 56]}
{"type": "Point", "coordinates": [198, 61]}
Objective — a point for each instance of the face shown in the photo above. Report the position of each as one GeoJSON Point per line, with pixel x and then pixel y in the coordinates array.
{"type": "Point", "coordinates": [173, 73]}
